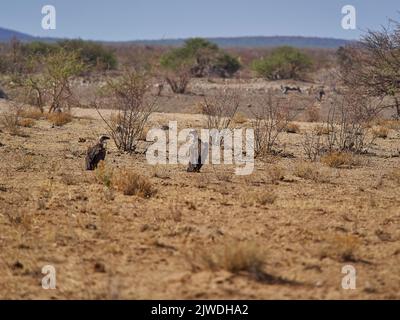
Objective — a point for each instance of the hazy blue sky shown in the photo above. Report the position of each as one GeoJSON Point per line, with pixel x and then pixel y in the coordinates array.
{"type": "Point", "coordinates": [155, 19]}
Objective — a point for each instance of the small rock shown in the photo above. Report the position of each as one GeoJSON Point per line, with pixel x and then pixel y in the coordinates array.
{"type": "Point", "coordinates": [383, 236]}
{"type": "Point", "coordinates": [17, 266]}
{"type": "Point", "coordinates": [99, 267]}
{"type": "Point", "coordinates": [369, 288]}
{"type": "Point", "coordinates": [91, 226]}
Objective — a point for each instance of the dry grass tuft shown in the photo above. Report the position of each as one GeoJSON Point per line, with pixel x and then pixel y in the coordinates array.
{"type": "Point", "coordinates": [160, 172]}
{"type": "Point", "coordinates": [339, 159]}
{"type": "Point", "coordinates": [381, 132]}
{"type": "Point", "coordinates": [265, 198]}
{"type": "Point", "coordinates": [9, 120]}
{"type": "Point", "coordinates": [276, 173]}
{"type": "Point", "coordinates": [312, 114]}
{"type": "Point", "coordinates": [343, 248]}
{"type": "Point", "coordinates": [132, 183]}
{"type": "Point", "coordinates": [390, 124]}
{"type": "Point", "coordinates": [262, 198]}
{"type": "Point", "coordinates": [307, 171]}
{"type": "Point", "coordinates": [26, 123]}
{"type": "Point", "coordinates": [322, 130]}
{"type": "Point", "coordinates": [104, 174]}
{"type": "Point", "coordinates": [32, 113]}
{"type": "Point", "coordinates": [59, 119]}
{"type": "Point", "coordinates": [292, 128]}
{"type": "Point", "coordinates": [240, 118]}
{"type": "Point", "coordinates": [234, 257]}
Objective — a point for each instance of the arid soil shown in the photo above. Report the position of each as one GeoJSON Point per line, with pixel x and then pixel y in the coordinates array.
{"type": "Point", "coordinates": [295, 231]}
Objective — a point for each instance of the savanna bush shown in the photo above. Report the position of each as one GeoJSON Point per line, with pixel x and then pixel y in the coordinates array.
{"type": "Point", "coordinates": [283, 63]}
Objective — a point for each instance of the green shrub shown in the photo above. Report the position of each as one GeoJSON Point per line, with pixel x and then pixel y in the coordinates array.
{"type": "Point", "coordinates": [202, 57]}
{"type": "Point", "coordinates": [282, 63]}
{"type": "Point", "coordinates": [226, 65]}
{"type": "Point", "coordinates": [92, 54]}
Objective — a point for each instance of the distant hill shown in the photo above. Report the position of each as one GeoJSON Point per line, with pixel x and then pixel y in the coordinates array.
{"type": "Point", "coordinates": [7, 35]}
{"type": "Point", "coordinates": [259, 42]}
{"type": "Point", "coordinates": [239, 42]}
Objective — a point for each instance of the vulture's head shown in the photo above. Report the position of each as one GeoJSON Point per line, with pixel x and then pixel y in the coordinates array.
{"type": "Point", "coordinates": [103, 139]}
{"type": "Point", "coordinates": [194, 135]}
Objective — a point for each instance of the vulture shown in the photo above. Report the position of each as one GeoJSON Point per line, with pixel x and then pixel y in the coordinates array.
{"type": "Point", "coordinates": [96, 153]}
{"type": "Point", "coordinates": [198, 153]}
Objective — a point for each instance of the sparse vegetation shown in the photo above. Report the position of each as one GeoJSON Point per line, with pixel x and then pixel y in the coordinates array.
{"type": "Point", "coordinates": [59, 119]}
{"type": "Point", "coordinates": [131, 183]}
{"type": "Point", "coordinates": [343, 248]}
{"type": "Point", "coordinates": [381, 132]}
{"type": "Point", "coordinates": [10, 120]}
{"type": "Point", "coordinates": [127, 95]}
{"type": "Point", "coordinates": [292, 128]}
{"type": "Point", "coordinates": [270, 120]}
{"type": "Point", "coordinates": [26, 122]}
{"type": "Point", "coordinates": [141, 221]}
{"type": "Point", "coordinates": [276, 173]}
{"type": "Point", "coordinates": [308, 171]}
{"type": "Point", "coordinates": [220, 109]}
{"type": "Point", "coordinates": [104, 174]}
{"type": "Point", "coordinates": [339, 159]}
{"type": "Point", "coordinates": [234, 257]}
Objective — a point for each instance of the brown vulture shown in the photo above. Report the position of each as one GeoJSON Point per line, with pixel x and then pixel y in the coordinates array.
{"type": "Point", "coordinates": [96, 153]}
{"type": "Point", "coordinates": [198, 152]}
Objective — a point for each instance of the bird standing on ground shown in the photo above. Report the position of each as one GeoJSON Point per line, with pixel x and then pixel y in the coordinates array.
{"type": "Point", "coordinates": [198, 153]}
{"type": "Point", "coordinates": [96, 153]}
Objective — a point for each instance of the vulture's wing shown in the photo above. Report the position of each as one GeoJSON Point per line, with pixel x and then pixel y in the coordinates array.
{"type": "Point", "coordinates": [204, 152]}
{"type": "Point", "coordinates": [93, 154]}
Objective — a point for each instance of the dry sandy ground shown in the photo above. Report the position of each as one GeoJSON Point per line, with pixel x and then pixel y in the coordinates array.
{"type": "Point", "coordinates": [106, 245]}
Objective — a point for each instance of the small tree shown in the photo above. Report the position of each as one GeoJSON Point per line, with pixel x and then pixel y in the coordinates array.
{"type": "Point", "coordinates": [349, 121]}
{"type": "Point", "coordinates": [282, 63]}
{"type": "Point", "coordinates": [128, 97]}
{"type": "Point", "coordinates": [48, 80]}
{"type": "Point", "coordinates": [197, 58]}
{"type": "Point", "coordinates": [226, 65]}
{"type": "Point", "coordinates": [372, 66]}
{"type": "Point", "coordinates": [220, 109]}
{"type": "Point", "coordinates": [92, 54]}
{"type": "Point", "coordinates": [271, 117]}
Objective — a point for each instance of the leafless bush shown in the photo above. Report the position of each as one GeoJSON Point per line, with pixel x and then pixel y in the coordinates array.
{"type": "Point", "coordinates": [349, 122]}
{"type": "Point", "coordinates": [178, 78]}
{"type": "Point", "coordinates": [271, 117]}
{"type": "Point", "coordinates": [220, 109]}
{"type": "Point", "coordinates": [10, 120]}
{"type": "Point", "coordinates": [127, 96]}
{"type": "Point", "coordinates": [313, 145]}
{"type": "Point", "coordinates": [371, 66]}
